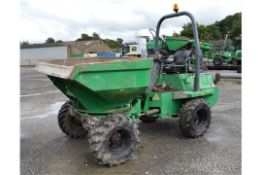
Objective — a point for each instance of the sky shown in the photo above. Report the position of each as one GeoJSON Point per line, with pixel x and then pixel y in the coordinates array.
{"type": "Point", "coordinates": [67, 19]}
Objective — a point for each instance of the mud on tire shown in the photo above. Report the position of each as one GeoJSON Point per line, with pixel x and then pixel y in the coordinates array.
{"type": "Point", "coordinates": [195, 118]}
{"type": "Point", "coordinates": [68, 124]}
{"type": "Point", "coordinates": [113, 140]}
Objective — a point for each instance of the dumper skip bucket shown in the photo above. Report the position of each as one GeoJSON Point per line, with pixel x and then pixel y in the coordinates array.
{"type": "Point", "coordinates": [99, 84]}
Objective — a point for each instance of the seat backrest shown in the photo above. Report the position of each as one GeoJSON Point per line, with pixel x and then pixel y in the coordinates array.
{"type": "Point", "coordinates": [180, 56]}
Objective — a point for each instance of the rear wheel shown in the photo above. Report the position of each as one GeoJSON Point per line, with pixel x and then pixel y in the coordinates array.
{"type": "Point", "coordinates": [218, 61]}
{"type": "Point", "coordinates": [68, 123]}
{"type": "Point", "coordinates": [113, 140]}
{"type": "Point", "coordinates": [195, 118]}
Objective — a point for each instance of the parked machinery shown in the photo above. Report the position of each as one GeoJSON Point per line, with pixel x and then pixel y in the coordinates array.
{"type": "Point", "coordinates": [108, 96]}
{"type": "Point", "coordinates": [135, 47]}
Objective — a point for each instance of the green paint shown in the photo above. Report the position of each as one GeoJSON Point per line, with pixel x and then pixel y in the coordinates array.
{"type": "Point", "coordinates": [238, 55]}
{"type": "Point", "coordinates": [80, 55]}
{"type": "Point", "coordinates": [173, 43]}
{"type": "Point", "coordinates": [108, 86]}
{"type": "Point", "coordinates": [120, 86]}
{"type": "Point", "coordinates": [151, 44]}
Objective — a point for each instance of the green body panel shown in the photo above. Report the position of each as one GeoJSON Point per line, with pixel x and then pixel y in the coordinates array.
{"type": "Point", "coordinates": [175, 43]}
{"type": "Point", "coordinates": [80, 55]}
{"type": "Point", "coordinates": [229, 56]}
{"type": "Point", "coordinates": [226, 55]}
{"type": "Point", "coordinates": [151, 44]}
{"type": "Point", "coordinates": [185, 82]}
{"type": "Point", "coordinates": [205, 46]}
{"type": "Point", "coordinates": [207, 49]}
{"type": "Point", "coordinates": [163, 101]}
{"type": "Point", "coordinates": [100, 88]}
{"type": "Point", "coordinates": [171, 100]}
{"type": "Point", "coordinates": [103, 88]}
{"type": "Point", "coordinates": [230, 53]}
{"type": "Point", "coordinates": [238, 55]}
{"type": "Point", "coordinates": [170, 103]}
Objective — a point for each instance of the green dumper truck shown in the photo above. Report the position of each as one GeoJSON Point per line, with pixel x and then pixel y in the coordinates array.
{"type": "Point", "coordinates": [108, 96]}
{"type": "Point", "coordinates": [230, 54]}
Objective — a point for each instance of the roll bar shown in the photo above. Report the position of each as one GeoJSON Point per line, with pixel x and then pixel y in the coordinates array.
{"type": "Point", "coordinates": [196, 39]}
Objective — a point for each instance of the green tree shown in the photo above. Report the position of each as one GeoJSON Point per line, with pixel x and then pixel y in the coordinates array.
{"type": "Point", "coordinates": [24, 43]}
{"type": "Point", "coordinates": [85, 37]}
{"type": "Point", "coordinates": [228, 23]}
{"type": "Point", "coordinates": [59, 41]}
{"type": "Point", "coordinates": [50, 40]}
{"type": "Point", "coordinates": [95, 36]}
{"type": "Point", "coordinates": [214, 32]}
{"type": "Point", "coordinates": [187, 30]}
{"type": "Point", "coordinates": [202, 31]}
{"type": "Point", "coordinates": [114, 45]}
{"type": "Point", "coordinates": [235, 31]}
{"type": "Point", "coordinates": [231, 25]}
{"type": "Point", "coordinates": [119, 41]}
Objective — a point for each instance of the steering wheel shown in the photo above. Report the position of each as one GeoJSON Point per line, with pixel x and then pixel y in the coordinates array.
{"type": "Point", "coordinates": [153, 33]}
{"type": "Point", "coordinates": [164, 48]}
{"type": "Point", "coordinates": [163, 38]}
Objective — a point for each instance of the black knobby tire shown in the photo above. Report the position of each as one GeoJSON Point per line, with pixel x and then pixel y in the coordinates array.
{"type": "Point", "coordinates": [218, 61]}
{"type": "Point", "coordinates": [195, 118]}
{"type": "Point", "coordinates": [68, 123]}
{"type": "Point", "coordinates": [113, 140]}
{"type": "Point", "coordinates": [146, 119]}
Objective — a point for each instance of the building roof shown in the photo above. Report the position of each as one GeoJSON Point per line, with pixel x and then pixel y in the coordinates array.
{"type": "Point", "coordinates": [43, 45]}
{"type": "Point", "coordinates": [82, 44]}
{"type": "Point", "coordinates": [85, 46]}
{"type": "Point", "coordinates": [95, 46]}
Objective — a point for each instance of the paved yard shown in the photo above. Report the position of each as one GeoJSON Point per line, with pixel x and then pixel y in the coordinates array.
{"type": "Point", "coordinates": [163, 150]}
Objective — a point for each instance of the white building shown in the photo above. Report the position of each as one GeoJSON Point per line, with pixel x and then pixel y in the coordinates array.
{"type": "Point", "coordinates": [30, 54]}
{"type": "Point", "coordinates": [43, 52]}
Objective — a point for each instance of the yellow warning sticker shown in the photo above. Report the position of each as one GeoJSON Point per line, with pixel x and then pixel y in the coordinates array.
{"type": "Point", "coordinates": [156, 97]}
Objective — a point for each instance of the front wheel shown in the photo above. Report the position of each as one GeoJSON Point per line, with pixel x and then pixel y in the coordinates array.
{"type": "Point", "coordinates": [68, 123]}
{"type": "Point", "coordinates": [113, 140]}
{"type": "Point", "coordinates": [195, 118]}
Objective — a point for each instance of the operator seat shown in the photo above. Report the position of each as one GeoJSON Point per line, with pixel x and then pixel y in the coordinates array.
{"type": "Point", "coordinates": [179, 61]}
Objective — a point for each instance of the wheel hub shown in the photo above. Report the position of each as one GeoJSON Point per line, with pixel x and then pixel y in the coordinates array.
{"type": "Point", "coordinates": [200, 118]}
{"type": "Point", "coordinates": [115, 140]}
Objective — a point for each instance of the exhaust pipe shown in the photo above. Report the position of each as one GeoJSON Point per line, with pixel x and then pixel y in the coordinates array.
{"type": "Point", "coordinates": [150, 112]}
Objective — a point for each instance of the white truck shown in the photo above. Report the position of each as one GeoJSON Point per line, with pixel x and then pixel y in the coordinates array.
{"type": "Point", "coordinates": [135, 47]}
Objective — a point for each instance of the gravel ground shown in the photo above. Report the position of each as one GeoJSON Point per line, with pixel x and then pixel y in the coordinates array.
{"type": "Point", "coordinates": [163, 150]}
